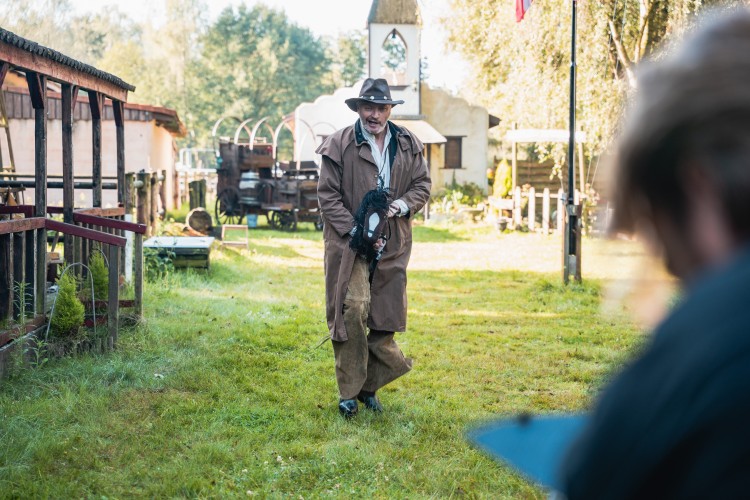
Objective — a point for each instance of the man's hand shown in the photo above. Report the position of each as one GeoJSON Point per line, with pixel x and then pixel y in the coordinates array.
{"type": "Point", "coordinates": [378, 245]}
{"type": "Point", "coordinates": [393, 209]}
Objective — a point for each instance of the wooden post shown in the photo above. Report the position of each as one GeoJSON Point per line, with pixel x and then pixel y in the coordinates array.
{"type": "Point", "coordinates": [19, 260]}
{"type": "Point", "coordinates": [182, 187]}
{"type": "Point", "coordinates": [163, 191]}
{"type": "Point", "coordinates": [120, 232]}
{"type": "Point", "coordinates": [68, 92]}
{"type": "Point", "coordinates": [581, 167]}
{"type": "Point", "coordinates": [138, 275]}
{"type": "Point", "coordinates": [566, 261]}
{"type": "Point", "coordinates": [545, 211]}
{"type": "Point", "coordinates": [118, 109]}
{"type": "Point", "coordinates": [6, 278]}
{"type": "Point", "coordinates": [154, 202]}
{"type": "Point", "coordinates": [193, 188]}
{"type": "Point", "coordinates": [96, 104]}
{"type": "Point", "coordinates": [514, 160]}
{"type": "Point", "coordinates": [87, 246]}
{"type": "Point", "coordinates": [517, 212]}
{"type": "Point", "coordinates": [130, 193]}
{"type": "Point", "coordinates": [560, 210]}
{"type": "Point", "coordinates": [175, 190]}
{"type": "Point", "coordinates": [198, 194]}
{"type": "Point", "coordinates": [38, 92]}
{"type": "Point", "coordinates": [29, 272]}
{"type": "Point", "coordinates": [113, 296]}
{"type": "Point", "coordinates": [77, 253]}
{"type": "Point", "coordinates": [532, 209]}
{"type": "Point", "coordinates": [577, 272]}
{"type": "Point", "coordinates": [4, 68]}
{"type": "Point", "coordinates": [142, 212]}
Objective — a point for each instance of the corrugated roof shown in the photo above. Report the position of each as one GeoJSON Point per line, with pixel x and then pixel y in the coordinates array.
{"type": "Point", "coordinates": [394, 12]}
{"type": "Point", "coordinates": [53, 55]}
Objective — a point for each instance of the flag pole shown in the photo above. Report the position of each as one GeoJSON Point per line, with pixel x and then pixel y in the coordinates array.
{"type": "Point", "coordinates": [572, 239]}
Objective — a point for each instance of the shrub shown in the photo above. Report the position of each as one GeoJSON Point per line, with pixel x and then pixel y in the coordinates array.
{"type": "Point", "coordinates": [69, 311]}
{"type": "Point", "coordinates": [454, 196]}
{"type": "Point", "coordinates": [157, 264]}
{"type": "Point", "coordinates": [100, 275]}
{"type": "Point", "coordinates": [503, 180]}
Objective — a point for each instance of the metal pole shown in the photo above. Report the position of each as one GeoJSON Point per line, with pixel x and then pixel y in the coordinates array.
{"type": "Point", "coordinates": [571, 251]}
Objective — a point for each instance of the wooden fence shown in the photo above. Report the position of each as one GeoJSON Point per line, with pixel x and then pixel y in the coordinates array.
{"type": "Point", "coordinates": [186, 177]}
{"type": "Point", "coordinates": [21, 268]}
{"type": "Point", "coordinates": [530, 201]}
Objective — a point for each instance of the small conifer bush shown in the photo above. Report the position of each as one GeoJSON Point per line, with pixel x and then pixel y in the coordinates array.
{"type": "Point", "coordinates": [100, 275]}
{"type": "Point", "coordinates": [69, 311]}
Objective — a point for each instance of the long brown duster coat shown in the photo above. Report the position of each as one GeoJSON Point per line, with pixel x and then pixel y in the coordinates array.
{"type": "Point", "coordinates": [348, 171]}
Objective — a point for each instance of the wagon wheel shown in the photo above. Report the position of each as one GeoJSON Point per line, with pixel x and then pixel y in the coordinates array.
{"type": "Point", "coordinates": [228, 206]}
{"type": "Point", "coordinates": [272, 220]}
{"type": "Point", "coordinates": [286, 220]}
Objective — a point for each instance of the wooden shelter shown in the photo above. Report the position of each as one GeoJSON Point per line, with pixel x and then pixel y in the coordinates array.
{"type": "Point", "coordinates": [23, 232]}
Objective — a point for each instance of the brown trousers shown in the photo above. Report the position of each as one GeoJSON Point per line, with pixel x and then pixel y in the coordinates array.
{"type": "Point", "coordinates": [365, 362]}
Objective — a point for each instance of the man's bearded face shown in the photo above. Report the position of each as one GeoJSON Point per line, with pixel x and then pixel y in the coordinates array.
{"type": "Point", "coordinates": [374, 116]}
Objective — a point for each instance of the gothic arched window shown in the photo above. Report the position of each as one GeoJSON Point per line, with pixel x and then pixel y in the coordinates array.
{"type": "Point", "coordinates": [393, 59]}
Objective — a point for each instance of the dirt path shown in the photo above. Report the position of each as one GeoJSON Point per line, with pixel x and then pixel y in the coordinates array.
{"type": "Point", "coordinates": [602, 259]}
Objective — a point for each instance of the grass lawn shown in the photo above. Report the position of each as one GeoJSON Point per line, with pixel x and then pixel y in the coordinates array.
{"type": "Point", "coordinates": [225, 390]}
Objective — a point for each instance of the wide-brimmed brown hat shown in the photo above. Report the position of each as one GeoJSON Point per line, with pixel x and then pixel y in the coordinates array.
{"type": "Point", "coordinates": [374, 91]}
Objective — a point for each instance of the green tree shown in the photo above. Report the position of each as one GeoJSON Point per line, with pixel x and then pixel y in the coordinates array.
{"type": "Point", "coordinates": [349, 56]}
{"type": "Point", "coordinates": [50, 23]}
{"type": "Point", "coordinates": [92, 35]}
{"type": "Point", "coordinates": [128, 60]}
{"type": "Point", "coordinates": [251, 62]}
{"type": "Point", "coordinates": [177, 47]}
{"type": "Point", "coordinates": [520, 71]}
{"type": "Point", "coordinates": [43, 21]}
{"type": "Point", "coordinates": [255, 63]}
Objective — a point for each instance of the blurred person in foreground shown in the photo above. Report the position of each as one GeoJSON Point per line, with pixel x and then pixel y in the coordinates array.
{"type": "Point", "coordinates": [674, 424]}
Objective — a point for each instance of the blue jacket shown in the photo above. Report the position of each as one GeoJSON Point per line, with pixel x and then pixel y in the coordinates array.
{"type": "Point", "coordinates": [676, 422]}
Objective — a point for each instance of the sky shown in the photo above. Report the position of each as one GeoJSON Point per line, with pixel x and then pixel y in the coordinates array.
{"type": "Point", "coordinates": [322, 17]}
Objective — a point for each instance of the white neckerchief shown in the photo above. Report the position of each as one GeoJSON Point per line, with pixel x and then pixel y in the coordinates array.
{"type": "Point", "coordinates": [382, 158]}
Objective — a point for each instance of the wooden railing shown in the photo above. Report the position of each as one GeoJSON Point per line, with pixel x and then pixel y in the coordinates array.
{"type": "Point", "coordinates": [18, 271]}
{"type": "Point", "coordinates": [530, 198]}
{"type": "Point", "coordinates": [19, 262]}
{"type": "Point", "coordinates": [87, 219]}
{"type": "Point", "coordinates": [114, 244]}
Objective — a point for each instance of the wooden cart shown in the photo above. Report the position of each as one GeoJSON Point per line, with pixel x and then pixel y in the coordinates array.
{"type": "Point", "coordinates": [250, 181]}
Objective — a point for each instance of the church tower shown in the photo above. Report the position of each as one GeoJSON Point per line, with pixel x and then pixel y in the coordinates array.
{"type": "Point", "coordinates": [393, 51]}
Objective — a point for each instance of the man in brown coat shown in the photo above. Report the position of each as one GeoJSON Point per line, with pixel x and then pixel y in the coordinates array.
{"type": "Point", "coordinates": [372, 153]}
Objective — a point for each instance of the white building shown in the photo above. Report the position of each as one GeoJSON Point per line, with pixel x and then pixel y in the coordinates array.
{"type": "Point", "coordinates": [454, 131]}
{"type": "Point", "coordinates": [150, 135]}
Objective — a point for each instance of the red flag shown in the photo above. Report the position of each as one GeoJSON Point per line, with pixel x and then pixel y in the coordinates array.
{"type": "Point", "coordinates": [521, 7]}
